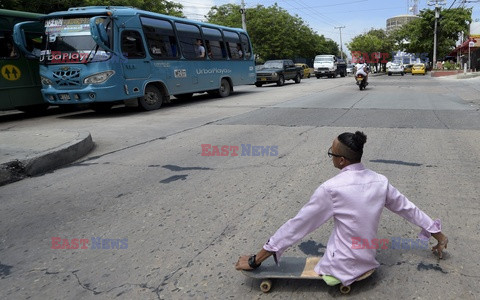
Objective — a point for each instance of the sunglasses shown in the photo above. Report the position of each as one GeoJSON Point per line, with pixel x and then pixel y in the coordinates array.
{"type": "Point", "coordinates": [330, 154]}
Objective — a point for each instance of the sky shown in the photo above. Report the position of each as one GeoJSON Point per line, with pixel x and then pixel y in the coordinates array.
{"type": "Point", "coordinates": [358, 16]}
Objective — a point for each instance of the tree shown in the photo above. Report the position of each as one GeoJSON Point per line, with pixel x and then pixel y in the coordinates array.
{"type": "Point", "coordinates": [158, 6]}
{"type": "Point", "coordinates": [274, 33]}
{"type": "Point", "coordinates": [44, 6]}
{"type": "Point", "coordinates": [48, 6]}
{"type": "Point", "coordinates": [417, 36]}
{"type": "Point", "coordinates": [376, 40]}
{"type": "Point", "coordinates": [372, 46]}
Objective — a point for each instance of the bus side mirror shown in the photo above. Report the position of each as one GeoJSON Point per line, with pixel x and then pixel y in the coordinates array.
{"type": "Point", "coordinates": [99, 33]}
{"type": "Point", "coordinates": [20, 40]}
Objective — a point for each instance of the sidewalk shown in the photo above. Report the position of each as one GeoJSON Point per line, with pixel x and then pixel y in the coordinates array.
{"type": "Point", "coordinates": [25, 153]}
{"type": "Point", "coordinates": [468, 75]}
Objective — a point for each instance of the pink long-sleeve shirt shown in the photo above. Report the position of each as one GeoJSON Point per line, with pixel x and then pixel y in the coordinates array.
{"type": "Point", "coordinates": [355, 198]}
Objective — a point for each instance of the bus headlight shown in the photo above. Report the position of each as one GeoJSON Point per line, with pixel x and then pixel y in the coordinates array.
{"type": "Point", "coordinates": [98, 78]}
{"type": "Point", "coordinates": [46, 81]}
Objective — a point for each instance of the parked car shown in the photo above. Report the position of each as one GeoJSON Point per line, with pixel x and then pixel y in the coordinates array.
{"type": "Point", "coordinates": [408, 68]}
{"type": "Point", "coordinates": [396, 68]}
{"type": "Point", "coordinates": [277, 71]}
{"type": "Point", "coordinates": [350, 68]}
{"type": "Point", "coordinates": [306, 70]}
{"type": "Point", "coordinates": [419, 69]}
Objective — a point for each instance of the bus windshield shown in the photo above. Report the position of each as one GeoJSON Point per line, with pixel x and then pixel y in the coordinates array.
{"type": "Point", "coordinates": [70, 41]}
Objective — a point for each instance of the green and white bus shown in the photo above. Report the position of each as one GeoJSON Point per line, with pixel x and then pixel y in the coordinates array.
{"type": "Point", "coordinates": [103, 55]}
{"type": "Point", "coordinates": [20, 80]}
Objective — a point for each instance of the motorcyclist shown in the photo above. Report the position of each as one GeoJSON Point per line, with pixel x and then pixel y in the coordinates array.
{"type": "Point", "coordinates": [362, 69]}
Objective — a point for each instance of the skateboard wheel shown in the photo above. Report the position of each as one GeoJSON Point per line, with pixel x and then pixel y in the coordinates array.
{"type": "Point", "coordinates": [345, 289]}
{"type": "Point", "coordinates": [266, 285]}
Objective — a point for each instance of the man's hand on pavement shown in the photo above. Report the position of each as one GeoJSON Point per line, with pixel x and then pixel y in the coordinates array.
{"type": "Point", "coordinates": [242, 263]}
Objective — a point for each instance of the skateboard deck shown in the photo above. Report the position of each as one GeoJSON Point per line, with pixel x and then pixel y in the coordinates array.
{"type": "Point", "coordinates": [292, 268]}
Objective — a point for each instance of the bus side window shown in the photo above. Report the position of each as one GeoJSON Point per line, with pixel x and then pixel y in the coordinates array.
{"type": "Point", "coordinates": [190, 41]}
{"type": "Point", "coordinates": [172, 42]}
{"type": "Point", "coordinates": [132, 45]}
{"type": "Point", "coordinates": [247, 52]}
{"type": "Point", "coordinates": [214, 43]}
{"type": "Point", "coordinates": [160, 37]}
{"type": "Point", "coordinates": [153, 42]}
{"type": "Point", "coordinates": [233, 41]}
{"type": "Point", "coordinates": [7, 47]}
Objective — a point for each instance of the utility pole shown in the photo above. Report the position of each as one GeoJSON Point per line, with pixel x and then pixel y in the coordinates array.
{"type": "Point", "coordinates": [341, 47]}
{"type": "Point", "coordinates": [437, 4]}
{"type": "Point", "coordinates": [242, 11]}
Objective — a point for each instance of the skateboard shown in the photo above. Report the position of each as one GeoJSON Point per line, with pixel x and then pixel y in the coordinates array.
{"type": "Point", "coordinates": [292, 268]}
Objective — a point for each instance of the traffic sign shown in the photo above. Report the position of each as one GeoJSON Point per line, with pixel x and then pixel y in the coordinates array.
{"type": "Point", "coordinates": [11, 72]}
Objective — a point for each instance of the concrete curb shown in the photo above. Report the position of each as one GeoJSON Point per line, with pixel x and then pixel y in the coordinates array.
{"type": "Point", "coordinates": [46, 161]}
{"type": "Point", "coordinates": [468, 75]}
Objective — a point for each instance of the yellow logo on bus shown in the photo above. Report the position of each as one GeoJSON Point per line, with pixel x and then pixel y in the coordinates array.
{"type": "Point", "coordinates": [11, 72]}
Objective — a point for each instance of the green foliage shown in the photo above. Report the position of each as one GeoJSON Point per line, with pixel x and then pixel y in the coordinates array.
{"type": "Point", "coordinates": [226, 15]}
{"type": "Point", "coordinates": [43, 6]}
{"type": "Point", "coordinates": [8, 4]}
{"type": "Point", "coordinates": [158, 6]}
{"type": "Point", "coordinates": [417, 36]}
{"type": "Point", "coordinates": [450, 66]}
{"type": "Point", "coordinates": [376, 40]}
{"type": "Point", "coordinates": [48, 6]}
{"type": "Point", "coordinates": [275, 34]}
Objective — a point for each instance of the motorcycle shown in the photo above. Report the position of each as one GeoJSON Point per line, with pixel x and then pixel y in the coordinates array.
{"type": "Point", "coordinates": [361, 81]}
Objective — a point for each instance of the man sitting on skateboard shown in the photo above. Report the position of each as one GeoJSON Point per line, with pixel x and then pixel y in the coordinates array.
{"type": "Point", "coordinates": [355, 198]}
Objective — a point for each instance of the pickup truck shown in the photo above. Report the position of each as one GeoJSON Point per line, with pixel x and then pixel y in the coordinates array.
{"type": "Point", "coordinates": [330, 66]}
{"type": "Point", "coordinates": [277, 71]}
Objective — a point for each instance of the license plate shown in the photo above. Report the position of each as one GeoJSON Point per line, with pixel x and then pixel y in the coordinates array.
{"type": "Point", "coordinates": [322, 72]}
{"type": "Point", "coordinates": [64, 96]}
{"type": "Point", "coordinates": [263, 79]}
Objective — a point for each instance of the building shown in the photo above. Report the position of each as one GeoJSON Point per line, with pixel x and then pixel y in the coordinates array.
{"type": "Point", "coordinates": [468, 52]}
{"type": "Point", "coordinates": [398, 21]}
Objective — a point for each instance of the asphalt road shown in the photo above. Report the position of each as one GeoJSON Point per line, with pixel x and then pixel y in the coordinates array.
{"type": "Point", "coordinates": [183, 218]}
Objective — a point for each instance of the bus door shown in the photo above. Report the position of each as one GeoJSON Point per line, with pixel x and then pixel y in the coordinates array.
{"type": "Point", "coordinates": [137, 65]}
{"type": "Point", "coordinates": [18, 74]}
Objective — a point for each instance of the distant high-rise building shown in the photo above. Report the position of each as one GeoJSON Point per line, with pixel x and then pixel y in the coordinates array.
{"type": "Point", "coordinates": [398, 21]}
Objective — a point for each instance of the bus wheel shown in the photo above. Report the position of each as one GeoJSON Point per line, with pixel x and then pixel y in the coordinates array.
{"type": "Point", "coordinates": [152, 99]}
{"type": "Point", "coordinates": [224, 90]}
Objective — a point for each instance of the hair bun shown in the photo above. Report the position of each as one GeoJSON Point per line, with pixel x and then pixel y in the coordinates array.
{"type": "Point", "coordinates": [360, 138]}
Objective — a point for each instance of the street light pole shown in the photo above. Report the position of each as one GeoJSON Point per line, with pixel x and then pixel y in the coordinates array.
{"type": "Point", "coordinates": [470, 45]}
{"type": "Point", "coordinates": [437, 4]}
{"type": "Point", "coordinates": [435, 37]}
{"type": "Point", "coordinates": [242, 11]}
{"type": "Point", "coordinates": [341, 47]}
